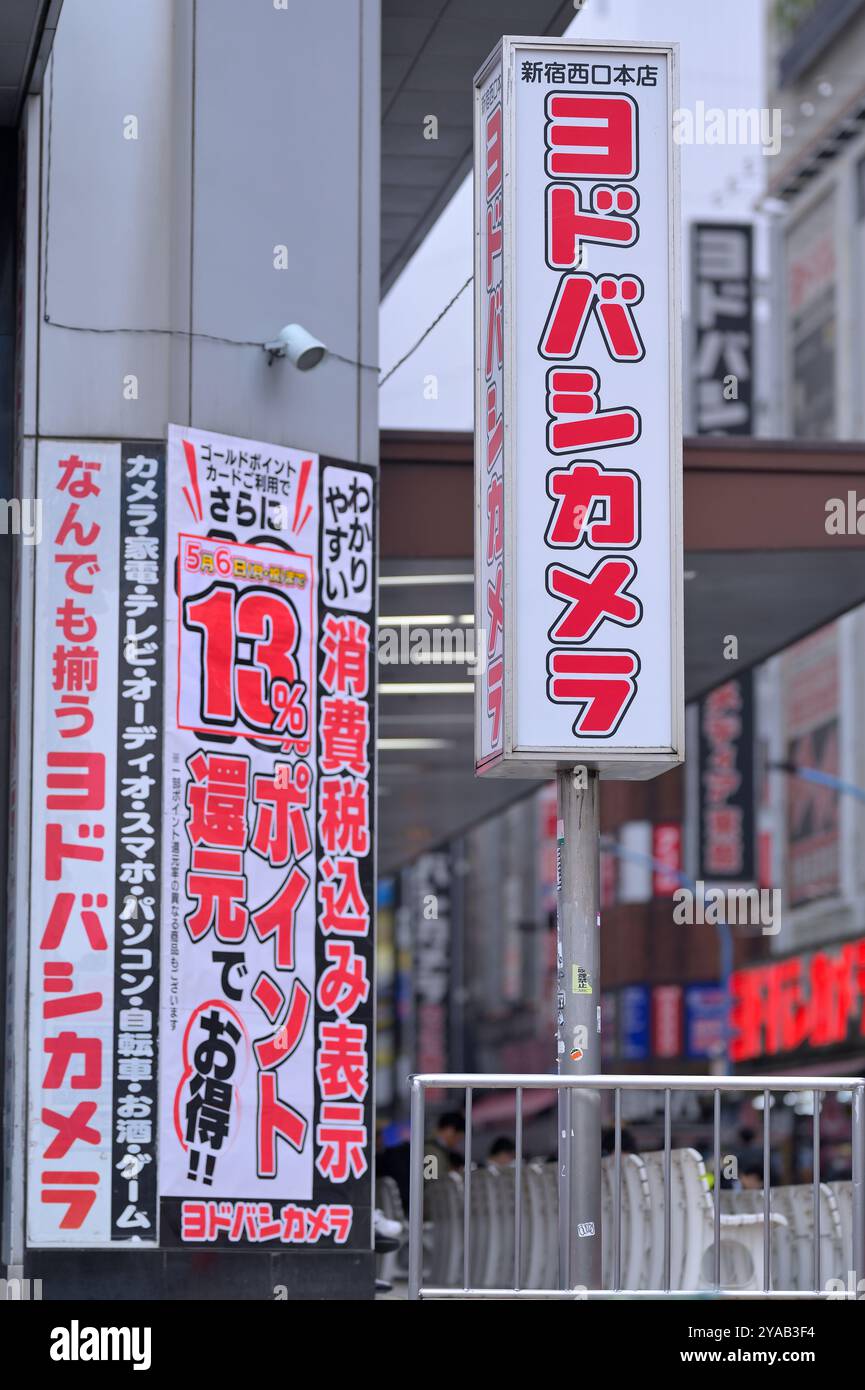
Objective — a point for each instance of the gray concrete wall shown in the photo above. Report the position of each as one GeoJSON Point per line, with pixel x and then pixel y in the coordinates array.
{"type": "Point", "coordinates": [258, 128]}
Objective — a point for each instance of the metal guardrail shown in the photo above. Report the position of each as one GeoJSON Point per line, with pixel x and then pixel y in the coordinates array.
{"type": "Point", "coordinates": [718, 1086]}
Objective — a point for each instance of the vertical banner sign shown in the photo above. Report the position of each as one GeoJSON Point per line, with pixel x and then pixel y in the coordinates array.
{"type": "Point", "coordinates": [95, 887]}
{"type": "Point", "coordinates": [814, 271]}
{"type": "Point", "coordinates": [723, 316]}
{"type": "Point", "coordinates": [704, 1020]}
{"type": "Point", "coordinates": [667, 1021]}
{"type": "Point", "coordinates": [727, 828]}
{"type": "Point", "coordinates": [634, 1013]}
{"type": "Point", "coordinates": [432, 890]}
{"type": "Point", "coordinates": [812, 736]}
{"type": "Point", "coordinates": [489, 418]}
{"type": "Point", "coordinates": [667, 856]}
{"type": "Point", "coordinates": [267, 994]}
{"type": "Point", "coordinates": [578, 445]}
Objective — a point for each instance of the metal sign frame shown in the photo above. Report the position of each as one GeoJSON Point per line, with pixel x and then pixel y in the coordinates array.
{"type": "Point", "coordinates": [617, 762]}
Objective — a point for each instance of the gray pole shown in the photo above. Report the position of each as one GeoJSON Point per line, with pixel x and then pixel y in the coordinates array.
{"type": "Point", "coordinates": [579, 1035]}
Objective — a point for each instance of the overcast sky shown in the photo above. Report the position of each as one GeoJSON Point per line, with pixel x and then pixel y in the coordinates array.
{"type": "Point", "coordinates": [721, 64]}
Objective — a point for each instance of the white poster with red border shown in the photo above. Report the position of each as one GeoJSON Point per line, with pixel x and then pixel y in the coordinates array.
{"type": "Point", "coordinates": [268, 847]}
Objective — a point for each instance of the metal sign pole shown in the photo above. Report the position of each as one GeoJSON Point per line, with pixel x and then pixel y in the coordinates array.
{"type": "Point", "coordinates": [579, 1033]}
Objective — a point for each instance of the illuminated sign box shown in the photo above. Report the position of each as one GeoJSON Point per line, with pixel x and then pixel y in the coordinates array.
{"type": "Point", "coordinates": [577, 410]}
{"type": "Point", "coordinates": [803, 1003]}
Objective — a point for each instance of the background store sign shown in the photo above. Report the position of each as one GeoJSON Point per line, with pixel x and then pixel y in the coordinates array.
{"type": "Point", "coordinates": [667, 1021]}
{"type": "Point", "coordinates": [726, 789]}
{"type": "Point", "coordinates": [633, 1009]}
{"type": "Point", "coordinates": [812, 320]}
{"type": "Point", "coordinates": [200, 954]}
{"type": "Point", "coordinates": [635, 861]}
{"type": "Point", "coordinates": [704, 1021]}
{"type": "Point", "coordinates": [812, 732]}
{"type": "Point", "coordinates": [609, 1026]}
{"type": "Point", "coordinates": [723, 317]}
{"type": "Point", "coordinates": [667, 856]}
{"type": "Point", "coordinates": [578, 443]}
{"type": "Point", "coordinates": [809, 1001]}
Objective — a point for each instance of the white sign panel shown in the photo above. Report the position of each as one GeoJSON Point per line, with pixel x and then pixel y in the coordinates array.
{"type": "Point", "coordinates": [268, 847]}
{"type": "Point", "coordinates": [97, 657]}
{"type": "Point", "coordinates": [579, 550]}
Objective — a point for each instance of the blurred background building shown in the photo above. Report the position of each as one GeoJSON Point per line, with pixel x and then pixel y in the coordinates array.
{"type": "Point", "coordinates": [241, 136]}
{"type": "Point", "coordinates": [775, 644]}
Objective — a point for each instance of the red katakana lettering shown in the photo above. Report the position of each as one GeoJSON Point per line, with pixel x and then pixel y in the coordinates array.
{"type": "Point", "coordinates": [574, 391]}
{"type": "Point", "coordinates": [591, 136]}
{"type": "Point", "coordinates": [611, 299]}
{"type": "Point", "coordinates": [595, 505]}
{"type": "Point", "coordinates": [591, 599]}
{"type": "Point", "coordinates": [609, 220]}
{"type": "Point", "coordinates": [602, 683]}
{"type": "Point", "coordinates": [271, 1052]}
{"type": "Point", "coordinates": [61, 1050]}
{"type": "Point", "coordinates": [278, 917]}
{"type": "Point", "coordinates": [276, 1120]}
{"type": "Point", "coordinates": [280, 826]}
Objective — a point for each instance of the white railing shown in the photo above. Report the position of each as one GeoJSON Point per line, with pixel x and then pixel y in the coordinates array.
{"type": "Point", "coordinates": [663, 1258]}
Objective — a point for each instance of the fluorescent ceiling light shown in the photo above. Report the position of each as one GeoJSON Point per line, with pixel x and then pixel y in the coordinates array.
{"type": "Point", "coordinates": [439, 658]}
{"type": "Point", "coordinates": [467, 617]}
{"type": "Point", "coordinates": [426, 688]}
{"type": "Point", "coordinates": [409, 744]}
{"type": "Point", "coordinates": [418, 620]}
{"type": "Point", "coordinates": [393, 581]}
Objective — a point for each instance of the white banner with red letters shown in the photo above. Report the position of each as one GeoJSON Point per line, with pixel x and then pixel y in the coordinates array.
{"type": "Point", "coordinates": [489, 420]}
{"type": "Point", "coordinates": [578, 434]}
{"type": "Point", "coordinates": [268, 847]}
{"type": "Point", "coordinates": [94, 892]}
{"type": "Point", "coordinates": [200, 965]}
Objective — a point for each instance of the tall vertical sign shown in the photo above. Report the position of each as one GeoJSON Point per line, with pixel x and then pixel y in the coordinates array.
{"type": "Point", "coordinates": [432, 890]}
{"type": "Point", "coordinates": [267, 1001]}
{"type": "Point", "coordinates": [727, 791]}
{"type": "Point", "coordinates": [95, 887]}
{"type": "Point", "coordinates": [202, 887]}
{"type": "Point", "coordinates": [578, 432]}
{"type": "Point", "coordinates": [722, 312]}
{"type": "Point", "coordinates": [490, 415]}
{"type": "Point", "coordinates": [812, 733]}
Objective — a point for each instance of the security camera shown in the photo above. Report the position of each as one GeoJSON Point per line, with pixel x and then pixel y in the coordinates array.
{"type": "Point", "coordinates": [294, 342]}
